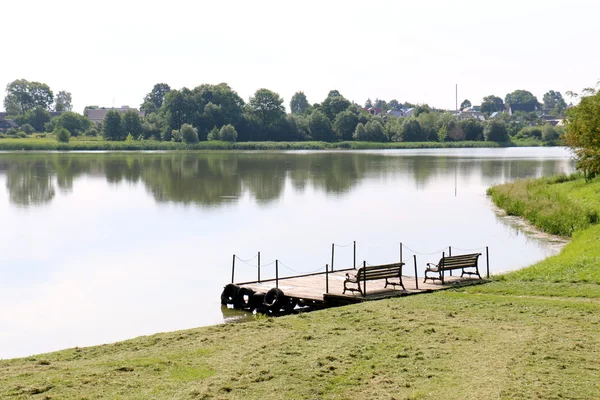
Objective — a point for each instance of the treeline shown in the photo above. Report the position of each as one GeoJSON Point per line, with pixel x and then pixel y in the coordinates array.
{"type": "Point", "coordinates": [217, 112]}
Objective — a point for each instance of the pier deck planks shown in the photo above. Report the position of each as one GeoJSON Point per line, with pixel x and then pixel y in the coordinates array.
{"type": "Point", "coordinates": [313, 287]}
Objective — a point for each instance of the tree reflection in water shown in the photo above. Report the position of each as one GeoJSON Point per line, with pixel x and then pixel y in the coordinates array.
{"type": "Point", "coordinates": [215, 178]}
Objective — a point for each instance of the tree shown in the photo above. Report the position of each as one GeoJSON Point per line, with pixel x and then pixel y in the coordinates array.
{"type": "Point", "coordinates": [153, 101]}
{"type": "Point", "coordinates": [345, 124]}
{"type": "Point", "coordinates": [62, 102]}
{"type": "Point", "coordinates": [495, 131]}
{"type": "Point", "coordinates": [37, 118]}
{"type": "Point", "coordinates": [522, 100]}
{"type": "Point", "coordinates": [111, 127]}
{"type": "Point", "coordinates": [62, 135]}
{"type": "Point", "coordinates": [267, 106]}
{"type": "Point", "coordinates": [583, 134]}
{"type": "Point", "coordinates": [22, 96]}
{"type": "Point", "coordinates": [374, 131]}
{"type": "Point", "coordinates": [360, 133]}
{"type": "Point", "coordinates": [394, 105]}
{"type": "Point", "coordinates": [334, 104]}
{"type": "Point", "coordinates": [465, 104]}
{"type": "Point", "coordinates": [471, 128]}
{"type": "Point", "coordinates": [411, 130]}
{"type": "Point", "coordinates": [443, 132]}
{"type": "Point", "coordinates": [299, 104]}
{"type": "Point", "coordinates": [380, 104]}
{"type": "Point", "coordinates": [189, 134]}
{"type": "Point", "coordinates": [228, 133]}
{"type": "Point", "coordinates": [492, 104]}
{"type": "Point", "coordinates": [75, 123]}
{"type": "Point", "coordinates": [27, 128]}
{"type": "Point", "coordinates": [421, 109]}
{"type": "Point", "coordinates": [550, 133]}
{"type": "Point", "coordinates": [132, 124]}
{"type": "Point", "coordinates": [178, 108]}
{"type": "Point", "coordinates": [320, 127]}
{"type": "Point", "coordinates": [368, 103]}
{"type": "Point", "coordinates": [554, 104]}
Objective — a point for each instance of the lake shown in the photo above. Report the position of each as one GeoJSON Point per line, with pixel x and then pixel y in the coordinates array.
{"type": "Point", "coordinates": [101, 247]}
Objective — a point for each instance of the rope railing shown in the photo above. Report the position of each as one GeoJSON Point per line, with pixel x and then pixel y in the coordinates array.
{"type": "Point", "coordinates": [423, 254]}
{"type": "Point", "coordinates": [343, 245]}
{"type": "Point", "coordinates": [247, 261]}
{"type": "Point", "coordinates": [301, 272]}
{"type": "Point", "coordinates": [478, 248]}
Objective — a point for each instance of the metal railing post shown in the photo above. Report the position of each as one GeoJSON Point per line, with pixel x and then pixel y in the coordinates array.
{"type": "Point", "coordinates": [326, 278]}
{"type": "Point", "coordinates": [232, 269]}
{"type": "Point", "coordinates": [487, 256]}
{"type": "Point", "coordinates": [416, 277]}
{"type": "Point", "coordinates": [277, 273]}
{"type": "Point", "coordinates": [259, 267]}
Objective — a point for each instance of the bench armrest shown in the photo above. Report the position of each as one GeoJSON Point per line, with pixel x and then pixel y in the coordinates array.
{"type": "Point", "coordinates": [429, 264]}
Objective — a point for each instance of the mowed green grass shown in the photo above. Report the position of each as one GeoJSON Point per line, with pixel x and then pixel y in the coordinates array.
{"type": "Point", "coordinates": [530, 334]}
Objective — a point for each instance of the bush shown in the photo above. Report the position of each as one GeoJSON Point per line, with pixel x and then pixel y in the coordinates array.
{"type": "Point", "coordinates": [62, 134]}
{"type": "Point", "coordinates": [28, 129]}
{"type": "Point", "coordinates": [21, 134]}
{"type": "Point", "coordinates": [176, 136]}
{"type": "Point", "coordinates": [495, 131]}
{"type": "Point", "coordinates": [550, 133]}
{"type": "Point", "coordinates": [534, 132]}
{"type": "Point", "coordinates": [213, 134]}
{"type": "Point", "coordinates": [11, 132]}
{"type": "Point", "coordinates": [228, 133]}
{"type": "Point", "coordinates": [92, 132]}
{"type": "Point", "coordinates": [189, 134]}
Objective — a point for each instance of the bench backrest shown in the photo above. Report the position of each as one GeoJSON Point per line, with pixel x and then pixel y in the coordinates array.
{"type": "Point", "coordinates": [373, 272]}
{"type": "Point", "coordinates": [460, 261]}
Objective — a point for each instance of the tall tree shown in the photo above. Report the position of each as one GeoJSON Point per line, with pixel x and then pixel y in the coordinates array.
{"type": "Point", "coordinates": [334, 104]}
{"type": "Point", "coordinates": [368, 103]}
{"type": "Point", "coordinates": [267, 106]}
{"type": "Point", "coordinates": [492, 104]}
{"type": "Point", "coordinates": [345, 124]}
{"type": "Point", "coordinates": [112, 128]}
{"type": "Point", "coordinates": [554, 103]}
{"type": "Point", "coordinates": [132, 124]}
{"type": "Point", "coordinates": [153, 101]}
{"type": "Point", "coordinates": [394, 105]}
{"type": "Point", "coordinates": [37, 118]}
{"type": "Point", "coordinates": [22, 96]}
{"type": "Point", "coordinates": [178, 108]}
{"type": "Point", "coordinates": [523, 99]}
{"type": "Point", "coordinates": [299, 104]}
{"type": "Point", "coordinates": [583, 133]}
{"type": "Point", "coordinates": [465, 104]}
{"type": "Point", "coordinates": [320, 127]}
{"type": "Point", "coordinates": [63, 101]}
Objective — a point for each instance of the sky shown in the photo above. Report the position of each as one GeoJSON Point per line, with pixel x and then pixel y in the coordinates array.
{"type": "Point", "coordinates": [111, 53]}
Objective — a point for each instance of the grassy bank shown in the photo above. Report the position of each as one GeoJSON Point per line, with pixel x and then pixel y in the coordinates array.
{"type": "Point", "coordinates": [92, 144]}
{"type": "Point", "coordinates": [531, 334]}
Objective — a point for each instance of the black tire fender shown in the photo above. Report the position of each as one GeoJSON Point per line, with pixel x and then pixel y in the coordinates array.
{"type": "Point", "coordinates": [274, 299]}
{"type": "Point", "coordinates": [229, 293]}
{"type": "Point", "coordinates": [243, 298]}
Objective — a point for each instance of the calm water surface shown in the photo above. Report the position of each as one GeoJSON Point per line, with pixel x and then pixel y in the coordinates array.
{"type": "Point", "coordinates": [96, 248]}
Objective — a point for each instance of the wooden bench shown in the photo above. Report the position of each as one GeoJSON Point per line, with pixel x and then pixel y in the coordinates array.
{"type": "Point", "coordinates": [374, 272]}
{"type": "Point", "coordinates": [448, 263]}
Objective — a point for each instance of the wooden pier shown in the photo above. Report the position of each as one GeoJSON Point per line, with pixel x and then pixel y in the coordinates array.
{"type": "Point", "coordinates": [330, 288]}
{"type": "Point", "coordinates": [312, 289]}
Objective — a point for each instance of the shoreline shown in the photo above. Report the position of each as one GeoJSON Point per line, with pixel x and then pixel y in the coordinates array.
{"type": "Point", "coordinates": [89, 144]}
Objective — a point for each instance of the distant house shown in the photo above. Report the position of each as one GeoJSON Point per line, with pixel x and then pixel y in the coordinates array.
{"type": "Point", "coordinates": [97, 114]}
{"type": "Point", "coordinates": [374, 110]}
{"type": "Point", "coordinates": [470, 112]}
{"type": "Point", "coordinates": [6, 124]}
{"type": "Point", "coordinates": [403, 112]}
